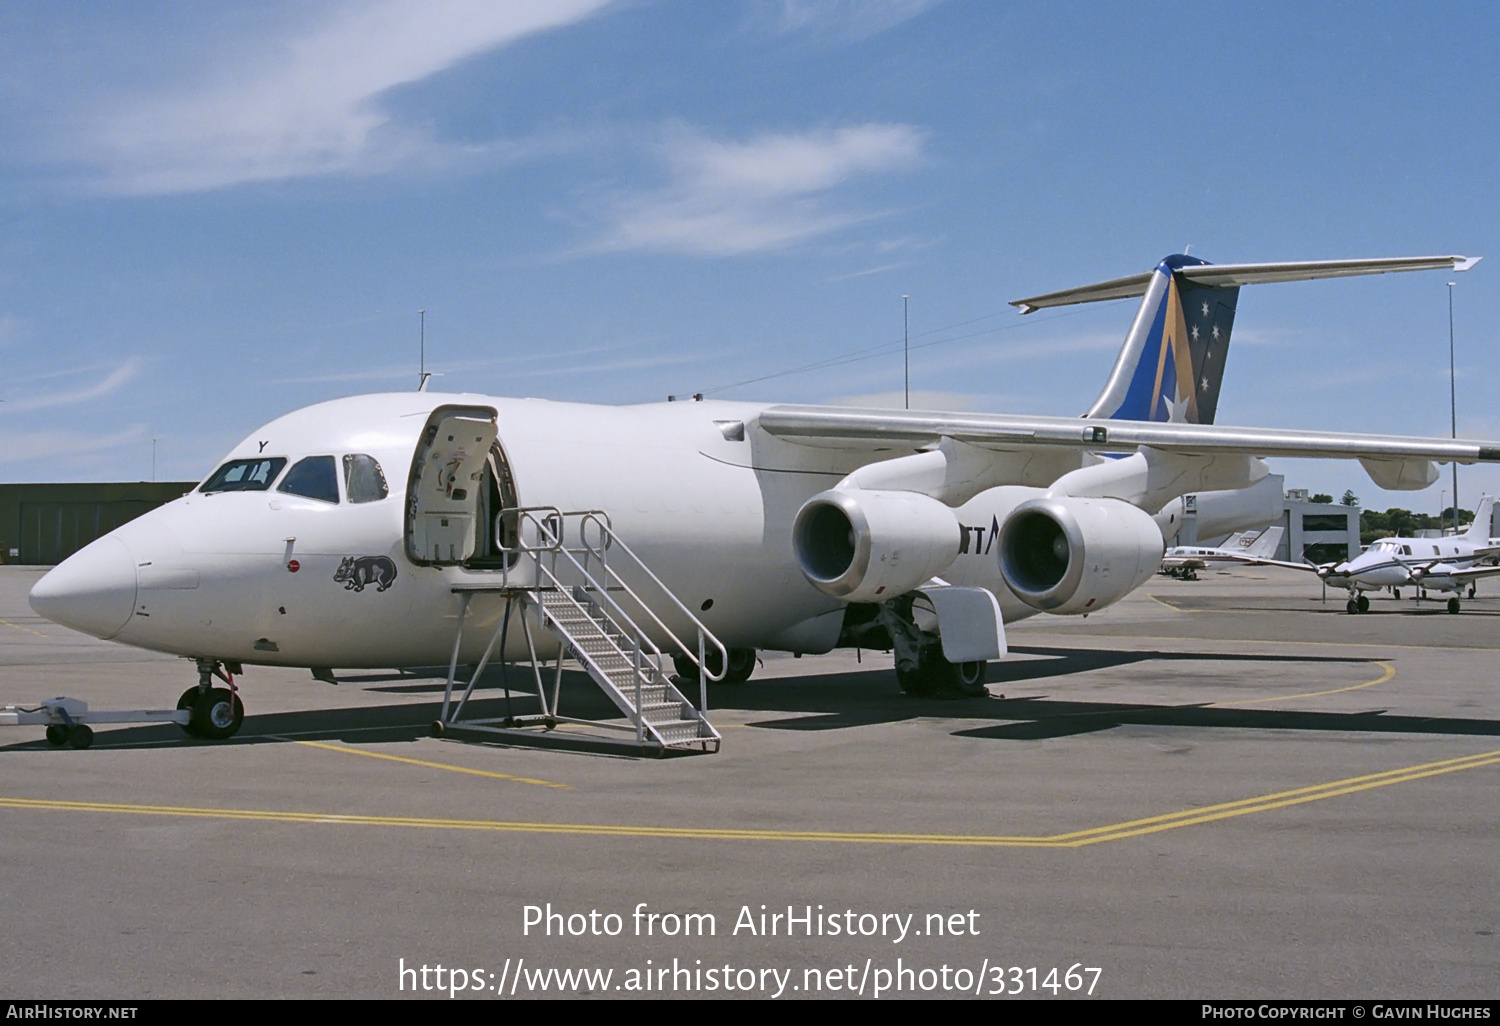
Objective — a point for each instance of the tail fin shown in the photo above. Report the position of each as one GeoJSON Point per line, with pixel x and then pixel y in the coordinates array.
{"type": "Point", "coordinates": [1172, 363]}
{"type": "Point", "coordinates": [1260, 544]}
{"type": "Point", "coordinates": [1479, 530]}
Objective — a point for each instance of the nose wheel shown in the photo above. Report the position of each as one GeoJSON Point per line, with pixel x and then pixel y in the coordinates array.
{"type": "Point", "coordinates": [216, 713]}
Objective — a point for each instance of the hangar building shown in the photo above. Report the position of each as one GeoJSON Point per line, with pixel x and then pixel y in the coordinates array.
{"type": "Point", "coordinates": [43, 524]}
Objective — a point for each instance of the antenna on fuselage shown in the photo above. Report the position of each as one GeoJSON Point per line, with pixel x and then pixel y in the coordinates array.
{"type": "Point", "coordinates": [422, 375]}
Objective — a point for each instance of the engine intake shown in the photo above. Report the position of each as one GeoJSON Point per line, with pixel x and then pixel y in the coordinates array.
{"type": "Point", "coordinates": [869, 546]}
{"type": "Point", "coordinates": [1073, 555]}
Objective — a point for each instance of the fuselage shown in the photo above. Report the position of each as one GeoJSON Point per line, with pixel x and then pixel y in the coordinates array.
{"type": "Point", "coordinates": [1401, 562]}
{"type": "Point", "coordinates": [263, 572]}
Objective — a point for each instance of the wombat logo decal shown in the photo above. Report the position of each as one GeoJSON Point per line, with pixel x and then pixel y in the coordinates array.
{"type": "Point", "coordinates": [358, 571]}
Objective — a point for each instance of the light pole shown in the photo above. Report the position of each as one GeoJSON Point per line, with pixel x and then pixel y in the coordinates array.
{"type": "Point", "coordinates": [906, 346]}
{"type": "Point", "coordinates": [1452, 403]}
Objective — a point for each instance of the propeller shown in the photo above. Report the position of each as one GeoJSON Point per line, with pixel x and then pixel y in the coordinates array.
{"type": "Point", "coordinates": [1420, 570]}
{"type": "Point", "coordinates": [1323, 570]}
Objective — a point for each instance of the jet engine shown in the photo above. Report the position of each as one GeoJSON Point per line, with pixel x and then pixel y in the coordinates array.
{"type": "Point", "coordinates": [869, 546]}
{"type": "Point", "coordinates": [1075, 555]}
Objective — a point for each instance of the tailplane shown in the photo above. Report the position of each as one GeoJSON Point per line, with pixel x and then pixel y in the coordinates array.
{"type": "Point", "coordinates": [1172, 363]}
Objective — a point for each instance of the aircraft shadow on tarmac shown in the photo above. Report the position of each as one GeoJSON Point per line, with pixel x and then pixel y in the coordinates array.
{"type": "Point", "coordinates": [823, 702]}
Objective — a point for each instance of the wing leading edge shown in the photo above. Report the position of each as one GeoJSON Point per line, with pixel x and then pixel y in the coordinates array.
{"type": "Point", "coordinates": [862, 429]}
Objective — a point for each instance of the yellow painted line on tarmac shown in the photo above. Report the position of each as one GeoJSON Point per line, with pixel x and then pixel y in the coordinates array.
{"type": "Point", "coordinates": [18, 627]}
{"type": "Point", "coordinates": [433, 765]}
{"type": "Point", "coordinates": [1075, 839]}
{"type": "Point", "coordinates": [1164, 602]}
{"type": "Point", "coordinates": [1280, 800]}
{"type": "Point", "coordinates": [1390, 671]}
{"type": "Point", "coordinates": [1024, 637]}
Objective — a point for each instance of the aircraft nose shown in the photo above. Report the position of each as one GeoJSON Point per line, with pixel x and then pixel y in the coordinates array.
{"type": "Point", "coordinates": [92, 591]}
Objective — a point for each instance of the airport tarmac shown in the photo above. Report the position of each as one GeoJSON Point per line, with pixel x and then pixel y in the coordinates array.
{"type": "Point", "coordinates": [1223, 788]}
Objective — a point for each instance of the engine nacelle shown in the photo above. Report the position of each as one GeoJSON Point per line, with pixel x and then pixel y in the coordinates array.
{"type": "Point", "coordinates": [1073, 555]}
{"type": "Point", "coordinates": [869, 546]}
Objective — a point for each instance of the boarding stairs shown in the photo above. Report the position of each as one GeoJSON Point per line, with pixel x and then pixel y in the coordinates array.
{"type": "Point", "coordinates": [567, 583]}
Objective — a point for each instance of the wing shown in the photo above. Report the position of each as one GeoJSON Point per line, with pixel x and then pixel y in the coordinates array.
{"type": "Point", "coordinates": [1265, 561]}
{"type": "Point", "coordinates": [863, 429]}
{"type": "Point", "coordinates": [1469, 573]}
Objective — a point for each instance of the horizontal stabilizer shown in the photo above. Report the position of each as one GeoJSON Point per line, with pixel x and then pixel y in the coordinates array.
{"type": "Point", "coordinates": [1245, 274]}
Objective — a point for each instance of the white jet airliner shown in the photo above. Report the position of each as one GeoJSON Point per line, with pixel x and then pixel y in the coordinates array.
{"type": "Point", "coordinates": [410, 529]}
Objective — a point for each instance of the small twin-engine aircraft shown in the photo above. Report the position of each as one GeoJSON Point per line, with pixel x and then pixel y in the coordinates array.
{"type": "Point", "coordinates": [1185, 561]}
{"type": "Point", "coordinates": [1450, 563]}
{"type": "Point", "coordinates": [411, 529]}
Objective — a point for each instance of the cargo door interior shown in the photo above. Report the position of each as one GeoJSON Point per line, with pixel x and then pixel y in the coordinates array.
{"type": "Point", "coordinates": [446, 491]}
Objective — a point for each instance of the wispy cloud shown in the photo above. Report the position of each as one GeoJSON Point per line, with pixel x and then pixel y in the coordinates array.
{"type": "Point", "coordinates": [767, 193]}
{"type": "Point", "coordinates": [116, 378]}
{"type": "Point", "coordinates": [308, 105]}
{"type": "Point", "coordinates": [847, 20]}
{"type": "Point", "coordinates": [597, 358]}
{"type": "Point", "coordinates": [22, 447]}
{"type": "Point", "coordinates": [10, 329]}
{"type": "Point", "coordinates": [866, 273]}
{"type": "Point", "coordinates": [947, 402]}
{"type": "Point", "coordinates": [370, 374]}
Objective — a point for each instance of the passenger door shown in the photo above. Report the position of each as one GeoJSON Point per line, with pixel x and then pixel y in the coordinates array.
{"type": "Point", "coordinates": [446, 488]}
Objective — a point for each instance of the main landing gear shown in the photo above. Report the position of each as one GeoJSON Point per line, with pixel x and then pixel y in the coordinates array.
{"type": "Point", "coordinates": [216, 712]}
{"type": "Point", "coordinates": [934, 675]}
{"type": "Point", "coordinates": [741, 665]}
{"type": "Point", "coordinates": [921, 669]}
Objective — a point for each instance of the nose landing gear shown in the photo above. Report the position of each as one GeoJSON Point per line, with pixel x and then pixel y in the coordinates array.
{"type": "Point", "coordinates": [216, 712]}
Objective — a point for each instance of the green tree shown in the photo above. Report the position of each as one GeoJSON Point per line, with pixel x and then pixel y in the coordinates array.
{"type": "Point", "coordinates": [1320, 497]}
{"type": "Point", "coordinates": [1349, 498]}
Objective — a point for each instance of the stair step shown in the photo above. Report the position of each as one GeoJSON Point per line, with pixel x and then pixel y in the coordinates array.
{"type": "Point", "coordinates": [677, 730]}
{"type": "Point", "coordinates": [610, 654]}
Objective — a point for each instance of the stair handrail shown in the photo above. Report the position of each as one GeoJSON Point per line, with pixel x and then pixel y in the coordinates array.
{"type": "Point", "coordinates": [552, 544]}
{"type": "Point", "coordinates": [608, 539]}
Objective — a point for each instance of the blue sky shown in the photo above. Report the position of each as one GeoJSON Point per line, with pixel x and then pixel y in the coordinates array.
{"type": "Point", "coordinates": [213, 214]}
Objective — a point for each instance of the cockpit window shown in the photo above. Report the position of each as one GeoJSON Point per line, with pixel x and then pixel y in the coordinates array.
{"type": "Point", "coordinates": [314, 477]}
{"type": "Point", "coordinates": [245, 475]}
{"type": "Point", "coordinates": [364, 481]}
